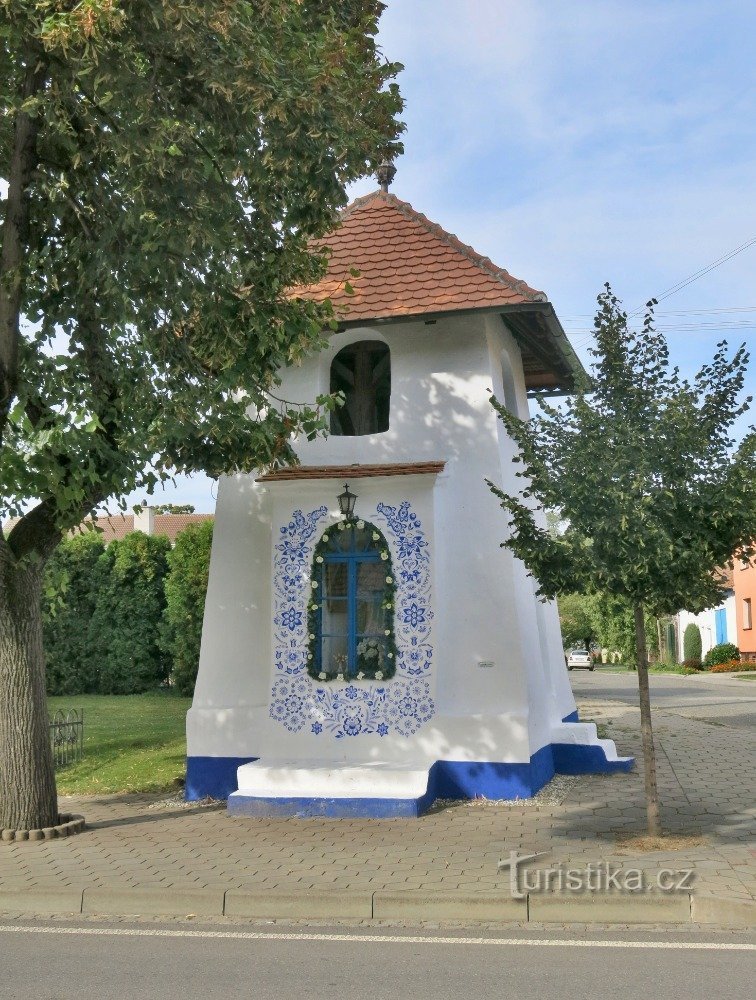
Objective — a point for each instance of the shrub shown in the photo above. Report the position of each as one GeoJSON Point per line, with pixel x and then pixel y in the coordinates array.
{"type": "Point", "coordinates": [732, 666]}
{"type": "Point", "coordinates": [125, 628]}
{"type": "Point", "coordinates": [692, 664]}
{"type": "Point", "coordinates": [185, 589]}
{"type": "Point", "coordinates": [72, 583]}
{"type": "Point", "coordinates": [692, 642]}
{"type": "Point", "coordinates": [722, 653]}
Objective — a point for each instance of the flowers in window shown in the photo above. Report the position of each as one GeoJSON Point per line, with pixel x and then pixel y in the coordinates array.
{"type": "Point", "coordinates": [369, 649]}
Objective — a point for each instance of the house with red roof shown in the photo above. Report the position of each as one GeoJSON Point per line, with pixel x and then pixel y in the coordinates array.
{"type": "Point", "coordinates": [151, 520]}
{"type": "Point", "coordinates": [368, 646]}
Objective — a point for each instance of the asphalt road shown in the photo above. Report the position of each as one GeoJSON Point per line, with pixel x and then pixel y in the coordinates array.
{"type": "Point", "coordinates": [712, 698]}
{"type": "Point", "coordinates": [176, 962]}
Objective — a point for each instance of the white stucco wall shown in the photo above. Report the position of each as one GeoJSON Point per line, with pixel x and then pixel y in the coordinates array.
{"type": "Point", "coordinates": [498, 681]}
{"type": "Point", "coordinates": [706, 623]}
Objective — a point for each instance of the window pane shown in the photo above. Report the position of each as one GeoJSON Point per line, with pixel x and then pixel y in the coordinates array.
{"type": "Point", "coordinates": [335, 618]}
{"type": "Point", "coordinates": [333, 655]}
{"type": "Point", "coordinates": [370, 617]}
{"type": "Point", "coordinates": [335, 579]}
{"type": "Point", "coordinates": [362, 540]}
{"type": "Point", "coordinates": [371, 578]}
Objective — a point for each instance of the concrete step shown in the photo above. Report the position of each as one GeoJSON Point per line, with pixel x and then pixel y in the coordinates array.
{"type": "Point", "coordinates": [277, 787]}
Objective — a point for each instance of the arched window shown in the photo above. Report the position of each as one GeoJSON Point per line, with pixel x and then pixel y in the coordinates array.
{"type": "Point", "coordinates": [362, 371]}
{"type": "Point", "coordinates": [351, 614]}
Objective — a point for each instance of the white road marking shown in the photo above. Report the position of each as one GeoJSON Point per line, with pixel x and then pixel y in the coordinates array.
{"type": "Point", "coordinates": [375, 938]}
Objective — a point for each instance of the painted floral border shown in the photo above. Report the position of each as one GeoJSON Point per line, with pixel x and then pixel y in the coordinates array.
{"type": "Point", "coordinates": [402, 704]}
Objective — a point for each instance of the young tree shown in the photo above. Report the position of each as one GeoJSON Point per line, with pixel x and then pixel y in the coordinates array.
{"type": "Point", "coordinates": [692, 644]}
{"type": "Point", "coordinates": [167, 167]}
{"type": "Point", "coordinates": [578, 620]}
{"type": "Point", "coordinates": [642, 468]}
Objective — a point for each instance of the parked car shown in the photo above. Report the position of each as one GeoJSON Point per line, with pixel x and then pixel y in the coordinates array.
{"type": "Point", "coordinates": [579, 658]}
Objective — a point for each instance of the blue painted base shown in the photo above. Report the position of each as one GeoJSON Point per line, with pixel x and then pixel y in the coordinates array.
{"type": "Point", "coordinates": [212, 777]}
{"type": "Point", "coordinates": [572, 717]}
{"type": "Point", "coordinates": [296, 808]}
{"type": "Point", "coordinates": [572, 759]}
{"type": "Point", "coordinates": [447, 779]}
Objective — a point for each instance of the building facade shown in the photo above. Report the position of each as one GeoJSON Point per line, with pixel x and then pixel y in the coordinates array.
{"type": "Point", "coordinates": [366, 664]}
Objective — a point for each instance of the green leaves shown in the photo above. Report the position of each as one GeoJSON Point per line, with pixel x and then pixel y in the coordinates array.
{"type": "Point", "coordinates": [186, 157]}
{"type": "Point", "coordinates": [641, 469]}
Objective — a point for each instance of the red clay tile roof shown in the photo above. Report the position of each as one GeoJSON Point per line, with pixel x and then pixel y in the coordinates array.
{"type": "Point", "coordinates": [408, 266]}
{"type": "Point", "coordinates": [117, 526]}
{"type": "Point", "coordinates": [727, 576]}
{"type": "Point", "coordinates": [352, 471]}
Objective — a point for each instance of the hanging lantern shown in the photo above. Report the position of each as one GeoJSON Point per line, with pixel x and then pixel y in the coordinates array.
{"type": "Point", "coordinates": [346, 503]}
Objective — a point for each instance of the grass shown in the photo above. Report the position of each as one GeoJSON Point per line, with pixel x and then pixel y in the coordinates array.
{"type": "Point", "coordinates": [746, 677]}
{"type": "Point", "coordinates": [132, 743]}
{"type": "Point", "coordinates": [653, 668]}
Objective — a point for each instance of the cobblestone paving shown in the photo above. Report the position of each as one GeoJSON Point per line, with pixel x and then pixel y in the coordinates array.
{"type": "Point", "coordinates": [706, 775]}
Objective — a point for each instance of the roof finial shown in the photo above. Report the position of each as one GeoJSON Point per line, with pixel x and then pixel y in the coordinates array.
{"type": "Point", "coordinates": [385, 174]}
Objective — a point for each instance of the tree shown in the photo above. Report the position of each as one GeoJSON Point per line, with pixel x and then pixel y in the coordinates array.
{"type": "Point", "coordinates": [643, 470]}
{"type": "Point", "coordinates": [168, 168]}
{"type": "Point", "coordinates": [185, 589]}
{"type": "Point", "coordinates": [71, 586]}
{"type": "Point", "coordinates": [692, 645]}
{"type": "Point", "coordinates": [124, 633]}
{"type": "Point", "coordinates": [577, 618]}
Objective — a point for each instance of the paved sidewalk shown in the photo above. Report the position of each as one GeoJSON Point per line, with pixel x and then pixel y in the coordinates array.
{"type": "Point", "coordinates": [706, 775]}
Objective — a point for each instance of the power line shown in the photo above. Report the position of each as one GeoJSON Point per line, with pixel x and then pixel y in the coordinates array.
{"type": "Point", "coordinates": [698, 274]}
{"type": "Point", "coordinates": [674, 312]}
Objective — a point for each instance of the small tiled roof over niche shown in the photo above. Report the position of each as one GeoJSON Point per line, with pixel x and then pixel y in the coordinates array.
{"type": "Point", "coordinates": [411, 268]}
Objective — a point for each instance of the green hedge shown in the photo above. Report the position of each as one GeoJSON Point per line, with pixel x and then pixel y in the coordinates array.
{"type": "Point", "coordinates": [126, 618]}
{"type": "Point", "coordinates": [70, 594]}
{"type": "Point", "coordinates": [124, 630]}
{"type": "Point", "coordinates": [721, 653]}
{"type": "Point", "coordinates": [185, 588]}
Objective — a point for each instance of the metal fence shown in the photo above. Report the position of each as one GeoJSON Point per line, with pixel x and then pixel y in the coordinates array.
{"type": "Point", "coordinates": [67, 737]}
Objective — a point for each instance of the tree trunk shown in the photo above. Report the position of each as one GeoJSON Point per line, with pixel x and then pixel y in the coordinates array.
{"type": "Point", "coordinates": [647, 735]}
{"type": "Point", "coordinates": [28, 796]}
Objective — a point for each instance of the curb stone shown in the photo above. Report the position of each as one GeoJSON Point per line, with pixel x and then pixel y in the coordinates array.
{"type": "Point", "coordinates": [51, 902]}
{"type": "Point", "coordinates": [153, 902]}
{"type": "Point", "coordinates": [416, 904]}
{"type": "Point", "coordinates": [412, 905]}
{"type": "Point", "coordinates": [69, 824]}
{"type": "Point", "coordinates": [607, 908]}
{"type": "Point", "coordinates": [736, 913]}
{"type": "Point", "coordinates": [304, 905]}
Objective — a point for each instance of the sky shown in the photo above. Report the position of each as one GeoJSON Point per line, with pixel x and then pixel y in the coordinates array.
{"type": "Point", "coordinates": [584, 142]}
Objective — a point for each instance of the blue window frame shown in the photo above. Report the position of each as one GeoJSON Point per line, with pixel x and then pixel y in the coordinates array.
{"type": "Point", "coordinates": [352, 610]}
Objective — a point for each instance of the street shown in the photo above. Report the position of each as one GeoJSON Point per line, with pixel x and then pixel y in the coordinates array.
{"type": "Point", "coordinates": [714, 698]}
{"type": "Point", "coordinates": [179, 962]}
